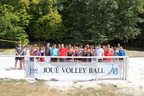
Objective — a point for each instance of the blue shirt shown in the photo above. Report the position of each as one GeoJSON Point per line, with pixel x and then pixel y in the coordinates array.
{"type": "Point", "coordinates": [54, 51]}
{"type": "Point", "coordinates": [121, 53]}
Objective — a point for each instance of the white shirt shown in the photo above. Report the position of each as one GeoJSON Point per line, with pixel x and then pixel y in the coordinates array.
{"type": "Point", "coordinates": [99, 52]}
{"type": "Point", "coordinates": [27, 52]}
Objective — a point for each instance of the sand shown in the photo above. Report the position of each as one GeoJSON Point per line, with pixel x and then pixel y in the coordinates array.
{"type": "Point", "coordinates": [133, 86]}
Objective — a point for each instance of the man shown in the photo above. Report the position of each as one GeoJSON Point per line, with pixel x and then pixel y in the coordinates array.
{"type": "Point", "coordinates": [54, 52]}
{"type": "Point", "coordinates": [47, 52]}
{"type": "Point", "coordinates": [19, 52]}
{"type": "Point", "coordinates": [99, 52]}
{"type": "Point", "coordinates": [63, 52]}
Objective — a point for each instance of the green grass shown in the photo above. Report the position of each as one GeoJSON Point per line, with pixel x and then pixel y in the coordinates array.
{"type": "Point", "coordinates": [12, 87]}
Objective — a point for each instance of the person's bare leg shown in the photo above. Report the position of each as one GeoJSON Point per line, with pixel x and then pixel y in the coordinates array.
{"type": "Point", "coordinates": [16, 63]}
{"type": "Point", "coordinates": [21, 64]}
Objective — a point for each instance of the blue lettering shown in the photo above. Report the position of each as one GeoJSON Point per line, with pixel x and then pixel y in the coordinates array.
{"type": "Point", "coordinates": [34, 71]}
{"type": "Point", "coordinates": [113, 70]}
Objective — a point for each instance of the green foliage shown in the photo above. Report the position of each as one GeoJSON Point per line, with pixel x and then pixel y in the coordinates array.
{"type": "Point", "coordinates": [46, 23]}
{"type": "Point", "coordinates": [104, 20]}
{"type": "Point", "coordinates": [88, 21]}
{"type": "Point", "coordinates": [13, 21]}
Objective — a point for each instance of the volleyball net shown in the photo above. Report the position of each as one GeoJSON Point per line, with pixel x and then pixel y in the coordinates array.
{"type": "Point", "coordinates": [7, 44]}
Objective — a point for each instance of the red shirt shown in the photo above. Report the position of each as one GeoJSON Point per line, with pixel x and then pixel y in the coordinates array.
{"type": "Point", "coordinates": [63, 51]}
{"type": "Point", "coordinates": [108, 53]}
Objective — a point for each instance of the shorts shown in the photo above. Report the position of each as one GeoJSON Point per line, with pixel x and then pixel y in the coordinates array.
{"type": "Point", "coordinates": [120, 58]}
{"type": "Point", "coordinates": [53, 59]}
{"type": "Point", "coordinates": [79, 59]}
{"type": "Point", "coordinates": [84, 59]}
{"type": "Point", "coordinates": [100, 60]}
{"type": "Point", "coordinates": [31, 59]}
{"type": "Point", "coordinates": [62, 60]}
{"type": "Point", "coordinates": [90, 59]}
{"type": "Point", "coordinates": [18, 58]}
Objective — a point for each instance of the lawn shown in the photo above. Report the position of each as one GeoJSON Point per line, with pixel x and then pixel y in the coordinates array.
{"type": "Point", "coordinates": [39, 88]}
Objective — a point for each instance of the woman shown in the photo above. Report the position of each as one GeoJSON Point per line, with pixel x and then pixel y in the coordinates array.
{"type": "Point", "coordinates": [121, 52]}
{"type": "Point", "coordinates": [80, 53]}
{"type": "Point", "coordinates": [41, 54]}
{"type": "Point", "coordinates": [37, 53]}
{"type": "Point", "coordinates": [116, 52]}
{"type": "Point", "coordinates": [75, 53]}
{"type": "Point", "coordinates": [104, 47]}
{"type": "Point", "coordinates": [27, 53]}
{"type": "Point", "coordinates": [108, 53]}
{"type": "Point", "coordinates": [85, 53]}
{"type": "Point", "coordinates": [42, 51]}
{"type": "Point", "coordinates": [32, 54]}
{"type": "Point", "coordinates": [91, 54]}
{"type": "Point", "coordinates": [35, 47]}
{"type": "Point", "coordinates": [23, 58]}
{"type": "Point", "coordinates": [70, 53]}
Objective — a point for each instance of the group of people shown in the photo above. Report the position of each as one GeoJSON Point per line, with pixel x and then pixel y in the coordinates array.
{"type": "Point", "coordinates": [68, 50]}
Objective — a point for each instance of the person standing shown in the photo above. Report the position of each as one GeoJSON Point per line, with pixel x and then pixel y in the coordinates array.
{"type": "Point", "coordinates": [116, 52]}
{"type": "Point", "coordinates": [35, 47]}
{"type": "Point", "coordinates": [47, 52]}
{"type": "Point", "coordinates": [99, 52]}
{"type": "Point", "coordinates": [19, 52]}
{"type": "Point", "coordinates": [42, 54]}
{"type": "Point", "coordinates": [121, 52]}
{"type": "Point", "coordinates": [91, 54]}
{"type": "Point", "coordinates": [108, 53]}
{"type": "Point", "coordinates": [27, 53]}
{"type": "Point", "coordinates": [32, 54]}
{"type": "Point", "coordinates": [54, 52]}
{"type": "Point", "coordinates": [85, 53]}
{"type": "Point", "coordinates": [80, 53]}
{"type": "Point", "coordinates": [37, 53]}
{"type": "Point", "coordinates": [75, 53]}
{"type": "Point", "coordinates": [104, 47]}
{"type": "Point", "coordinates": [62, 52]}
{"type": "Point", "coordinates": [70, 53]}
{"type": "Point", "coordinates": [118, 46]}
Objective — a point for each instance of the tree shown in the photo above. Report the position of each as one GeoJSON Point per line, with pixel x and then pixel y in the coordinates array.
{"type": "Point", "coordinates": [139, 41]}
{"type": "Point", "coordinates": [46, 23]}
{"type": "Point", "coordinates": [13, 21]}
{"type": "Point", "coordinates": [104, 20]}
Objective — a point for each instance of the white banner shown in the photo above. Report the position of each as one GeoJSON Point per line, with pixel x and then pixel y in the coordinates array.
{"type": "Point", "coordinates": [74, 71]}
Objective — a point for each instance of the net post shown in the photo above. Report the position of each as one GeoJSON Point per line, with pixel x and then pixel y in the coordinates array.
{"type": "Point", "coordinates": [127, 68]}
{"type": "Point", "coordinates": [124, 68]}
{"type": "Point", "coordinates": [34, 66]}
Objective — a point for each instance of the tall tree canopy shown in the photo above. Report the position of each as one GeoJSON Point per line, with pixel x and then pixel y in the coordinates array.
{"type": "Point", "coordinates": [46, 22]}
{"type": "Point", "coordinates": [70, 21]}
{"type": "Point", "coordinates": [14, 20]}
{"type": "Point", "coordinates": [103, 20]}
